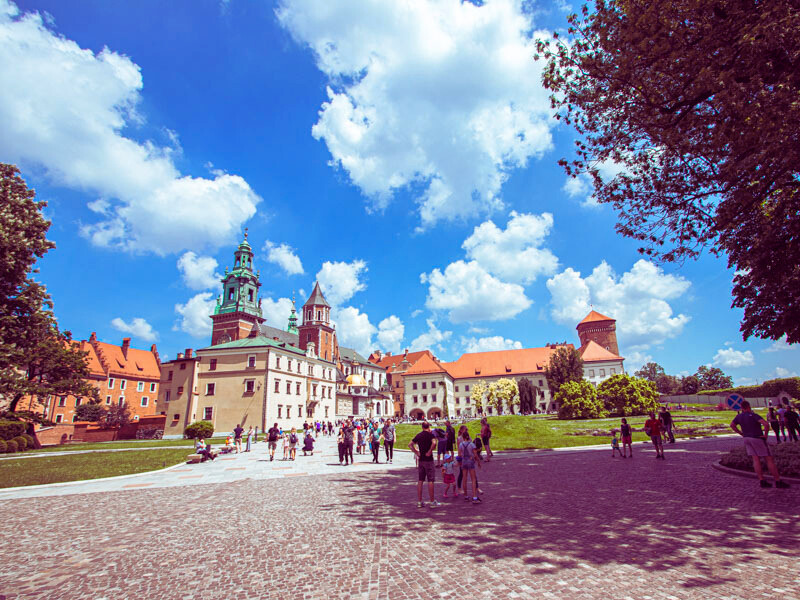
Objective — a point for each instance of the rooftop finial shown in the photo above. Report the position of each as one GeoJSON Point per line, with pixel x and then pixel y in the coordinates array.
{"type": "Point", "coordinates": [245, 233]}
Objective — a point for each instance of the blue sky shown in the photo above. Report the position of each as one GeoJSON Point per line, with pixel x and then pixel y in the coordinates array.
{"type": "Point", "coordinates": [403, 153]}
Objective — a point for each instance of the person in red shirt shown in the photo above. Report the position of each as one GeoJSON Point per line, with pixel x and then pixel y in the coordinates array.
{"type": "Point", "coordinates": [653, 427]}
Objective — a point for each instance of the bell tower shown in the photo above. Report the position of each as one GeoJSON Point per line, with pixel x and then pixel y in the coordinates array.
{"type": "Point", "coordinates": [316, 327]}
{"type": "Point", "coordinates": [238, 310]}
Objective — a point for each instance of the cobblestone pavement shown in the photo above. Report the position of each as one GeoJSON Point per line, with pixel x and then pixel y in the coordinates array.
{"type": "Point", "coordinates": [553, 525]}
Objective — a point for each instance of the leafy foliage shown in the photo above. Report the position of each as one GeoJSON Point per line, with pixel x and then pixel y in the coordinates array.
{"type": "Point", "coordinates": [624, 395]}
{"type": "Point", "coordinates": [91, 412]}
{"type": "Point", "coordinates": [11, 446]}
{"type": "Point", "coordinates": [712, 378]}
{"type": "Point", "coordinates": [11, 429]}
{"type": "Point", "coordinates": [578, 400]}
{"type": "Point", "coordinates": [768, 389]}
{"type": "Point", "coordinates": [693, 106]}
{"type": "Point", "coordinates": [479, 391]}
{"type": "Point", "coordinates": [527, 396]}
{"type": "Point", "coordinates": [501, 393]}
{"type": "Point", "coordinates": [3, 447]}
{"type": "Point", "coordinates": [118, 415]}
{"type": "Point", "coordinates": [787, 459]}
{"type": "Point", "coordinates": [565, 365]}
{"type": "Point", "coordinates": [199, 429]}
{"type": "Point", "coordinates": [22, 443]}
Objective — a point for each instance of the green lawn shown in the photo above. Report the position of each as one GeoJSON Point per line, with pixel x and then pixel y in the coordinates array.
{"type": "Point", "coordinates": [514, 432]}
{"type": "Point", "coordinates": [54, 469]}
{"type": "Point", "coordinates": [125, 444]}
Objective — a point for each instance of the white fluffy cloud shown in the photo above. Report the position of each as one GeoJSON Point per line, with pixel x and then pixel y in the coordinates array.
{"type": "Point", "coordinates": [733, 359]}
{"type": "Point", "coordinates": [284, 256]}
{"type": "Point", "coordinates": [636, 360]}
{"type": "Point", "coordinates": [781, 372]}
{"type": "Point", "coordinates": [390, 333]}
{"type": "Point", "coordinates": [469, 293]}
{"type": "Point", "coordinates": [514, 254]}
{"type": "Point", "coordinates": [637, 300]}
{"type": "Point", "coordinates": [442, 95]}
{"type": "Point", "coordinates": [195, 315]}
{"type": "Point", "coordinates": [198, 271]}
{"type": "Point", "coordinates": [354, 329]}
{"type": "Point", "coordinates": [490, 344]}
{"type": "Point", "coordinates": [64, 108]}
{"type": "Point", "coordinates": [138, 328]}
{"type": "Point", "coordinates": [341, 280]}
{"type": "Point", "coordinates": [780, 345]}
{"type": "Point", "coordinates": [431, 339]}
{"type": "Point", "coordinates": [277, 312]}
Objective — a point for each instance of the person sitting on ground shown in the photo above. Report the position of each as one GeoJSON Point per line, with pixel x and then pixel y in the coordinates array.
{"type": "Point", "coordinates": [228, 444]}
{"type": "Point", "coordinates": [308, 443]}
{"type": "Point", "coordinates": [200, 447]}
{"type": "Point", "coordinates": [754, 429]}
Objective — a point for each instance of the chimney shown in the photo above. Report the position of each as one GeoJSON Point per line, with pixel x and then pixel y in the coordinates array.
{"type": "Point", "coordinates": [188, 353]}
{"type": "Point", "coordinates": [180, 355]}
{"type": "Point", "coordinates": [406, 352]}
{"type": "Point", "coordinates": [126, 343]}
{"type": "Point", "coordinates": [388, 353]}
{"type": "Point", "coordinates": [93, 337]}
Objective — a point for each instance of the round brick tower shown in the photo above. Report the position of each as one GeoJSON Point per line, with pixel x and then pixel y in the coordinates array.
{"type": "Point", "coordinates": [599, 329]}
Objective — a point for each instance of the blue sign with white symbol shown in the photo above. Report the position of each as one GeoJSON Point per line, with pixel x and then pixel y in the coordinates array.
{"type": "Point", "coordinates": [734, 401]}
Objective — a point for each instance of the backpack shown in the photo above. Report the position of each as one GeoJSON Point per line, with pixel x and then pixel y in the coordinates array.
{"type": "Point", "coordinates": [273, 435]}
{"type": "Point", "coordinates": [293, 439]}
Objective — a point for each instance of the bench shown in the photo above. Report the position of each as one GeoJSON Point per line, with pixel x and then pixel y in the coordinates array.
{"type": "Point", "coordinates": [197, 458]}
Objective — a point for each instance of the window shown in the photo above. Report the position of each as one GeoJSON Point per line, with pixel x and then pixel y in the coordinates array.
{"type": "Point", "coordinates": [122, 384]}
{"type": "Point", "coordinates": [591, 373]}
{"type": "Point", "coordinates": [299, 366]}
{"type": "Point", "coordinates": [288, 364]}
{"type": "Point", "coordinates": [59, 418]}
{"type": "Point", "coordinates": [169, 376]}
{"type": "Point", "coordinates": [297, 388]}
{"type": "Point", "coordinates": [277, 362]}
{"type": "Point", "coordinates": [250, 295]}
{"type": "Point", "coordinates": [77, 402]}
{"type": "Point", "coordinates": [280, 410]}
{"type": "Point", "coordinates": [326, 412]}
{"type": "Point", "coordinates": [613, 371]}
{"type": "Point", "coordinates": [231, 293]}
{"type": "Point", "coordinates": [541, 383]}
{"type": "Point", "coordinates": [288, 387]}
{"type": "Point", "coordinates": [208, 413]}
{"type": "Point", "coordinates": [250, 386]}
{"type": "Point", "coordinates": [62, 401]}
{"type": "Point", "coordinates": [145, 400]}
{"type": "Point", "coordinates": [314, 391]}
{"type": "Point", "coordinates": [212, 365]}
{"type": "Point", "coordinates": [602, 372]}
{"type": "Point", "coordinates": [277, 385]}
{"type": "Point", "coordinates": [414, 385]}
{"type": "Point", "coordinates": [166, 396]}
{"type": "Point", "coordinates": [108, 398]}
{"type": "Point", "coordinates": [180, 390]}
{"type": "Point", "coordinates": [456, 388]}
{"type": "Point", "coordinates": [466, 388]}
{"type": "Point", "coordinates": [176, 417]}
{"type": "Point", "coordinates": [153, 387]}
{"type": "Point", "coordinates": [424, 384]}
{"type": "Point", "coordinates": [183, 366]}
{"type": "Point", "coordinates": [489, 408]}
{"type": "Point", "coordinates": [288, 411]}
{"type": "Point", "coordinates": [121, 400]}
{"type": "Point", "coordinates": [415, 400]}
{"type": "Point", "coordinates": [140, 386]}
{"type": "Point", "coordinates": [424, 398]}
{"type": "Point", "coordinates": [467, 400]}
{"type": "Point", "coordinates": [310, 369]}
{"type": "Point", "coordinates": [251, 361]}
{"type": "Point", "coordinates": [111, 382]}
{"type": "Point", "coordinates": [299, 410]}
{"type": "Point", "coordinates": [210, 389]}
{"type": "Point", "coordinates": [458, 400]}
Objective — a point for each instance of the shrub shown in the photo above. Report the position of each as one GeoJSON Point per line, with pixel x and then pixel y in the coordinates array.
{"type": "Point", "coordinates": [787, 459]}
{"type": "Point", "coordinates": [768, 389]}
{"type": "Point", "coordinates": [149, 433]}
{"type": "Point", "coordinates": [3, 447]}
{"type": "Point", "coordinates": [30, 439]}
{"type": "Point", "coordinates": [578, 400]}
{"type": "Point", "coordinates": [624, 395]}
{"type": "Point", "coordinates": [22, 443]}
{"type": "Point", "coordinates": [11, 429]}
{"type": "Point", "coordinates": [11, 446]}
{"type": "Point", "coordinates": [199, 429]}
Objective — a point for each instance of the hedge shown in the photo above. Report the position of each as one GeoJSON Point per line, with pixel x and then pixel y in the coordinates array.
{"type": "Point", "coordinates": [11, 429]}
{"type": "Point", "coordinates": [11, 446]}
{"type": "Point", "coordinates": [199, 429]}
{"type": "Point", "coordinates": [768, 389]}
{"type": "Point", "coordinates": [22, 443]}
{"type": "Point", "coordinates": [3, 447]}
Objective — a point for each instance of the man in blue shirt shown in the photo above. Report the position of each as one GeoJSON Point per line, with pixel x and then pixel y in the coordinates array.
{"type": "Point", "coordinates": [754, 429]}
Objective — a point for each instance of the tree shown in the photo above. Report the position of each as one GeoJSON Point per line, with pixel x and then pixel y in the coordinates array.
{"type": "Point", "coordinates": [668, 384]}
{"type": "Point", "coordinates": [479, 390]}
{"type": "Point", "coordinates": [713, 378]}
{"type": "Point", "coordinates": [35, 357]}
{"type": "Point", "coordinates": [690, 385]}
{"type": "Point", "coordinates": [623, 395]}
{"type": "Point", "coordinates": [91, 411]}
{"type": "Point", "coordinates": [118, 415]}
{"type": "Point", "coordinates": [687, 117]}
{"type": "Point", "coordinates": [527, 396]}
{"type": "Point", "coordinates": [565, 365]}
{"type": "Point", "coordinates": [651, 371]}
{"type": "Point", "coordinates": [578, 400]}
{"type": "Point", "coordinates": [503, 392]}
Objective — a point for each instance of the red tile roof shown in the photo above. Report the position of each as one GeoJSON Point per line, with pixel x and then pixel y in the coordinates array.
{"type": "Point", "coordinates": [395, 359]}
{"type": "Point", "coordinates": [92, 360]}
{"type": "Point", "coordinates": [595, 316]}
{"type": "Point", "coordinates": [140, 364]}
{"type": "Point", "coordinates": [426, 364]}
{"type": "Point", "coordinates": [502, 362]}
{"type": "Point", "coordinates": [592, 351]}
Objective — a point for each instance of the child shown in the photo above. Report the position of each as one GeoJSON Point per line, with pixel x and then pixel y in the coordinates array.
{"type": "Point", "coordinates": [285, 437]}
{"type": "Point", "coordinates": [448, 476]}
{"type": "Point", "coordinates": [615, 444]}
{"type": "Point", "coordinates": [627, 438]}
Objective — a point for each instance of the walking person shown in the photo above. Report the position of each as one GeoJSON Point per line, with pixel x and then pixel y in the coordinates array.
{"type": "Point", "coordinates": [486, 436]}
{"type": "Point", "coordinates": [441, 445]}
{"type": "Point", "coordinates": [666, 423]}
{"type": "Point", "coordinates": [451, 437]}
{"type": "Point", "coordinates": [754, 429]}
{"type": "Point", "coordinates": [272, 440]}
{"type": "Point", "coordinates": [652, 427]}
{"type": "Point", "coordinates": [237, 437]}
{"type": "Point", "coordinates": [347, 439]}
{"type": "Point", "coordinates": [388, 440]}
{"type": "Point", "coordinates": [374, 444]}
{"type": "Point", "coordinates": [249, 439]}
{"type": "Point", "coordinates": [774, 422]}
{"type": "Point", "coordinates": [626, 435]}
{"type": "Point", "coordinates": [781, 421]}
{"type": "Point", "coordinates": [293, 444]}
{"type": "Point", "coordinates": [422, 446]}
{"type": "Point", "coordinates": [792, 420]}
{"type": "Point", "coordinates": [469, 460]}
{"type": "Point", "coordinates": [285, 438]}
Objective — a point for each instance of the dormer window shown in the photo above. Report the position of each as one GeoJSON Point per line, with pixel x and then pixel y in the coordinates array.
{"type": "Point", "coordinates": [250, 295]}
{"type": "Point", "coordinates": [231, 293]}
